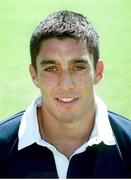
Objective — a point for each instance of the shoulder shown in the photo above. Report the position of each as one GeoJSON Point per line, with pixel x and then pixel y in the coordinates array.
{"type": "Point", "coordinates": [9, 125]}
{"type": "Point", "coordinates": [120, 123]}
{"type": "Point", "coordinates": [9, 130]}
{"type": "Point", "coordinates": [121, 127]}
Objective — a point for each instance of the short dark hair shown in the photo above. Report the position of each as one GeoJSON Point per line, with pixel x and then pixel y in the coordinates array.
{"type": "Point", "coordinates": [65, 24]}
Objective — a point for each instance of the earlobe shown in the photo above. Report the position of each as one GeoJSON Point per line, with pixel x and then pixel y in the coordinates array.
{"type": "Point", "coordinates": [33, 75]}
{"type": "Point", "coordinates": [99, 71]}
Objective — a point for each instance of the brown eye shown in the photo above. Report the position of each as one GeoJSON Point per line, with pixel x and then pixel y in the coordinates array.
{"type": "Point", "coordinates": [51, 69]}
{"type": "Point", "coordinates": [78, 67]}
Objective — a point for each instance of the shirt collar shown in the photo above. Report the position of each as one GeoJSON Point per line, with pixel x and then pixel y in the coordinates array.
{"type": "Point", "coordinates": [29, 129]}
{"type": "Point", "coordinates": [102, 130]}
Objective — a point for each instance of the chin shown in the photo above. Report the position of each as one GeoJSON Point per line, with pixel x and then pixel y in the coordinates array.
{"type": "Point", "coordinates": [68, 119]}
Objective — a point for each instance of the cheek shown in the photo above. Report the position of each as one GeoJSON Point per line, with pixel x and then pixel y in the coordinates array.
{"type": "Point", "coordinates": [84, 80]}
{"type": "Point", "coordinates": [47, 83]}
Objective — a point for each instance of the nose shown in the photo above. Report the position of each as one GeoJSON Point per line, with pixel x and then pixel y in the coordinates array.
{"type": "Point", "coordinates": [66, 81]}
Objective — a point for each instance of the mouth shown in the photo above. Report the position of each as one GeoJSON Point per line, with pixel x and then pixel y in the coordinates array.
{"type": "Point", "coordinates": [66, 101]}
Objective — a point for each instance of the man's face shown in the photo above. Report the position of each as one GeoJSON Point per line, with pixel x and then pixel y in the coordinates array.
{"type": "Point", "coordinates": [66, 76]}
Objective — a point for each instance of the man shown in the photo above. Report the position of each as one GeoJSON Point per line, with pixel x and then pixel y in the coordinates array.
{"type": "Point", "coordinates": [67, 132]}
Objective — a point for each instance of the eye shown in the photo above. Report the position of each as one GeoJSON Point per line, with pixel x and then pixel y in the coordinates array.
{"type": "Point", "coordinates": [79, 67]}
{"type": "Point", "coordinates": [51, 69]}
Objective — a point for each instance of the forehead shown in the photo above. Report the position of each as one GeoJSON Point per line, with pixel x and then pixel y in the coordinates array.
{"type": "Point", "coordinates": [63, 50]}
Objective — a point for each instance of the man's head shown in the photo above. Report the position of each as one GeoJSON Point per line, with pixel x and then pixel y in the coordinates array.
{"type": "Point", "coordinates": [64, 51]}
{"type": "Point", "coordinates": [65, 24]}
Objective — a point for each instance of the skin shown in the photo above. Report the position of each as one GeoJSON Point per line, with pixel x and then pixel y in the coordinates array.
{"type": "Point", "coordinates": [65, 70]}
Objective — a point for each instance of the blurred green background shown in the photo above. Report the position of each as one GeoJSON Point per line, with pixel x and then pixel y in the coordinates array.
{"type": "Point", "coordinates": [112, 18]}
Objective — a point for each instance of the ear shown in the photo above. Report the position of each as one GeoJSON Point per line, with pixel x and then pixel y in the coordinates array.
{"type": "Point", "coordinates": [99, 71]}
{"type": "Point", "coordinates": [33, 75]}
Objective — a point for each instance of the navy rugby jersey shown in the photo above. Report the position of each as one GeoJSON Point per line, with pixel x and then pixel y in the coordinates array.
{"type": "Point", "coordinates": [34, 161]}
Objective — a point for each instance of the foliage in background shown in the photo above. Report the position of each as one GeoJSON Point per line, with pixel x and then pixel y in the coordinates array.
{"type": "Point", "coordinates": [18, 20]}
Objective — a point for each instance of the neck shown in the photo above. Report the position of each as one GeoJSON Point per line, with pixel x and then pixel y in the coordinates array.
{"type": "Point", "coordinates": [66, 137]}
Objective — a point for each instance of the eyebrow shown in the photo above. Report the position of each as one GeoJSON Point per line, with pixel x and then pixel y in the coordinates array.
{"type": "Point", "coordinates": [74, 61]}
{"type": "Point", "coordinates": [46, 62]}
